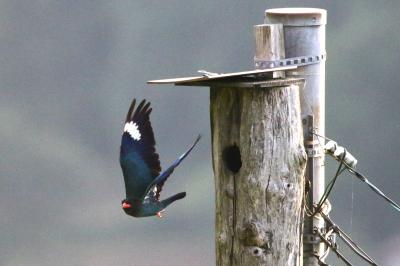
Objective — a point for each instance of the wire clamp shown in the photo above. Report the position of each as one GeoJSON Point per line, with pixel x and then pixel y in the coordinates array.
{"type": "Point", "coordinates": [311, 239]}
{"type": "Point", "coordinates": [313, 148]}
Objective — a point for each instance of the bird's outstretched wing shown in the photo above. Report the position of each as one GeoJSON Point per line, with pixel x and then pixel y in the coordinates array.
{"type": "Point", "coordinates": [160, 180]}
{"type": "Point", "coordinates": [138, 158]}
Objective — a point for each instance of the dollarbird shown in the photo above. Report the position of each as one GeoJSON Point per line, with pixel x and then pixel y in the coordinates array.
{"type": "Point", "coordinates": [141, 165]}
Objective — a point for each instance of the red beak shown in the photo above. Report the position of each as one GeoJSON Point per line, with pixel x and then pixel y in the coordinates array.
{"type": "Point", "coordinates": [126, 205]}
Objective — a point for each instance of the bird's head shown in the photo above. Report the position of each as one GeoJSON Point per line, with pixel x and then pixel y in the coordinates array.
{"type": "Point", "coordinates": [136, 208]}
{"type": "Point", "coordinates": [131, 206]}
{"type": "Point", "coordinates": [125, 204]}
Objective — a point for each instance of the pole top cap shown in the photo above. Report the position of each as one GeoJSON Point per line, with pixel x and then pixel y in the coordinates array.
{"type": "Point", "coordinates": [296, 16]}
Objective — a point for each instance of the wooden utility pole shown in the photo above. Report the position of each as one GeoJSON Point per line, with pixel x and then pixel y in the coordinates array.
{"type": "Point", "coordinates": [259, 162]}
{"type": "Point", "coordinates": [258, 119]}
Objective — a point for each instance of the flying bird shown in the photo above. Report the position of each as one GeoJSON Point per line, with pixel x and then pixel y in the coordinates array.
{"type": "Point", "coordinates": [141, 165]}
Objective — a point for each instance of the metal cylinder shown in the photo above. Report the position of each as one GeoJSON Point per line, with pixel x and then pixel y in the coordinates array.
{"type": "Point", "coordinates": [304, 33]}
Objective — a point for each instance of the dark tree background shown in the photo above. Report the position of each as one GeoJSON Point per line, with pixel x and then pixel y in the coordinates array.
{"type": "Point", "coordinates": [68, 71]}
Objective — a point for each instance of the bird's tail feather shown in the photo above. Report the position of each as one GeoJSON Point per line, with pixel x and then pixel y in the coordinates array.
{"type": "Point", "coordinates": [173, 198]}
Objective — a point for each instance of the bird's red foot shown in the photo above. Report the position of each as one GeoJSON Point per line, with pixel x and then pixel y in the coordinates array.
{"type": "Point", "coordinates": [159, 215]}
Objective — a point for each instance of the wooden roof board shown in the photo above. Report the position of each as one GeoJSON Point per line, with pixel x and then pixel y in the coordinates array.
{"type": "Point", "coordinates": [245, 83]}
{"type": "Point", "coordinates": [222, 76]}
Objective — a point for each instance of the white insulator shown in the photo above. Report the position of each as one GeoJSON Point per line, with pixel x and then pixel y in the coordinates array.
{"type": "Point", "coordinates": [332, 148]}
{"type": "Point", "coordinates": [339, 152]}
{"type": "Point", "coordinates": [350, 160]}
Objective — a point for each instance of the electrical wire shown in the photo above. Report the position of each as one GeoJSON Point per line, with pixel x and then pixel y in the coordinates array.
{"type": "Point", "coordinates": [364, 179]}
{"type": "Point", "coordinates": [334, 249]}
{"type": "Point", "coordinates": [348, 241]}
{"type": "Point", "coordinates": [374, 188]}
{"type": "Point", "coordinates": [343, 236]}
{"type": "Point", "coordinates": [329, 187]}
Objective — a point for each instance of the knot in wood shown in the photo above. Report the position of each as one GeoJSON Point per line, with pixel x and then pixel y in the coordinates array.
{"type": "Point", "coordinates": [254, 234]}
{"type": "Point", "coordinates": [256, 251]}
{"type": "Point", "coordinates": [229, 192]}
{"type": "Point", "coordinates": [276, 191]}
{"type": "Point", "coordinates": [222, 238]}
{"type": "Point", "coordinates": [301, 158]}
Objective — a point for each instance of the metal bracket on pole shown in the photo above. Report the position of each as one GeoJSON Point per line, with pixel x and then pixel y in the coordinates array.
{"type": "Point", "coordinates": [311, 239]}
{"type": "Point", "coordinates": [294, 61]}
{"type": "Point", "coordinates": [313, 148]}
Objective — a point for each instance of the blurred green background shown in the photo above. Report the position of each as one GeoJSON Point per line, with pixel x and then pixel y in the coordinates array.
{"type": "Point", "coordinates": [68, 72]}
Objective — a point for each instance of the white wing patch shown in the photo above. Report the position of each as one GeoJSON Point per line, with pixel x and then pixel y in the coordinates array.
{"type": "Point", "coordinates": [151, 196]}
{"type": "Point", "coordinates": [133, 130]}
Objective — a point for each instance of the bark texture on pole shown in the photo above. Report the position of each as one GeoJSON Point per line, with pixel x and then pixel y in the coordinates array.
{"type": "Point", "coordinates": [259, 162]}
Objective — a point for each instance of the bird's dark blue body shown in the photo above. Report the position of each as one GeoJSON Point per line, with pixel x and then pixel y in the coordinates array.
{"type": "Point", "coordinates": [141, 166]}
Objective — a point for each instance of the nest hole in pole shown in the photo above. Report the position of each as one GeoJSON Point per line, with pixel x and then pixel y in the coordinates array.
{"type": "Point", "coordinates": [232, 158]}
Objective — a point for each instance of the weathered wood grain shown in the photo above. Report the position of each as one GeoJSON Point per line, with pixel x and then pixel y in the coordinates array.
{"type": "Point", "coordinates": [259, 193]}
{"type": "Point", "coordinates": [270, 42]}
